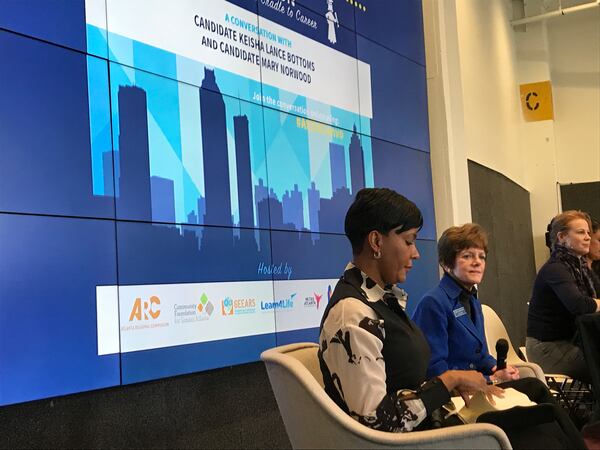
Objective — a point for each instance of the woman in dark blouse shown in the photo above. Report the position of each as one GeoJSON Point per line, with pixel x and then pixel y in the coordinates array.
{"type": "Point", "coordinates": [374, 358]}
{"type": "Point", "coordinates": [563, 290]}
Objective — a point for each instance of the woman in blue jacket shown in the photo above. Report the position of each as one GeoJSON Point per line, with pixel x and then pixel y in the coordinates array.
{"type": "Point", "coordinates": [451, 318]}
{"type": "Point", "coordinates": [450, 314]}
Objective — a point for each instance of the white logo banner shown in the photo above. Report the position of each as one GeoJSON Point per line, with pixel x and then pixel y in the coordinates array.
{"type": "Point", "coordinates": [163, 315]}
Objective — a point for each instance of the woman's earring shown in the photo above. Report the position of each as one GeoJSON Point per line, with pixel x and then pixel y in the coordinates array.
{"type": "Point", "coordinates": [377, 254]}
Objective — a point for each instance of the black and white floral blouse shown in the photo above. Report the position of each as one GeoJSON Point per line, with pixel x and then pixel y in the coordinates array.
{"type": "Point", "coordinates": [376, 370]}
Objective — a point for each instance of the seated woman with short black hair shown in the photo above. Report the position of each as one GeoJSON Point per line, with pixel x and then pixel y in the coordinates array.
{"type": "Point", "coordinates": [373, 357]}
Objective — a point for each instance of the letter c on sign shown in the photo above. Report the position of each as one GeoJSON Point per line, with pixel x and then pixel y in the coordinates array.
{"type": "Point", "coordinates": [529, 105]}
{"type": "Point", "coordinates": [154, 300]}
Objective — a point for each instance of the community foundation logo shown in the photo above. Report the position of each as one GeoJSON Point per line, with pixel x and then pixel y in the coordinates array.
{"type": "Point", "coordinates": [205, 308]}
{"type": "Point", "coordinates": [237, 306]}
{"type": "Point", "coordinates": [194, 312]}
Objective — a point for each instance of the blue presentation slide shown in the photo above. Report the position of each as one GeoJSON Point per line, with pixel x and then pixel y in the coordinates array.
{"type": "Point", "coordinates": [174, 178]}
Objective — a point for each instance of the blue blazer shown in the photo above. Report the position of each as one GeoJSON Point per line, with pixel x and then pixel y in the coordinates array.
{"type": "Point", "coordinates": [456, 341]}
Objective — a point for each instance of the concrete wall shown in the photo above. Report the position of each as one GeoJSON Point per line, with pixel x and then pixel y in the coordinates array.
{"type": "Point", "coordinates": [574, 50]}
{"type": "Point", "coordinates": [476, 61]}
{"type": "Point", "coordinates": [490, 88]}
{"type": "Point", "coordinates": [566, 51]}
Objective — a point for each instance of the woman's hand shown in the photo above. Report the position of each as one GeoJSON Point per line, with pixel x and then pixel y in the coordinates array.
{"type": "Point", "coordinates": [491, 392]}
{"type": "Point", "coordinates": [508, 374]}
{"type": "Point", "coordinates": [468, 382]}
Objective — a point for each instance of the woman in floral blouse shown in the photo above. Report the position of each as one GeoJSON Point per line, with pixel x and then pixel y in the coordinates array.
{"type": "Point", "coordinates": [374, 358]}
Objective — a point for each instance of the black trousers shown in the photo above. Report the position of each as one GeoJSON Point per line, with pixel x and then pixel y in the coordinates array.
{"type": "Point", "coordinates": [546, 426]}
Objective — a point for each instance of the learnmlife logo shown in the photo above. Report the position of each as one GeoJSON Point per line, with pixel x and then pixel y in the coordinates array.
{"type": "Point", "coordinates": [287, 303]}
{"type": "Point", "coordinates": [147, 310]}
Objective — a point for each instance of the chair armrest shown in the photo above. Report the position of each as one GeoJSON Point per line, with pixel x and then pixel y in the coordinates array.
{"type": "Point", "coordinates": [313, 420]}
{"type": "Point", "coordinates": [476, 435]}
{"type": "Point", "coordinates": [527, 369]}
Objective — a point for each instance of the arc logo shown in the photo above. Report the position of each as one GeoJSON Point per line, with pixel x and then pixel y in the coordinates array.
{"type": "Point", "coordinates": [146, 310]}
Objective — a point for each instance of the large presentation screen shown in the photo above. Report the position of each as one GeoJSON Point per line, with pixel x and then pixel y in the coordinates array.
{"type": "Point", "coordinates": [174, 177]}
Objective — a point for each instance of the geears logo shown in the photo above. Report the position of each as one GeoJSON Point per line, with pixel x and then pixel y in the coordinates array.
{"type": "Point", "coordinates": [148, 308]}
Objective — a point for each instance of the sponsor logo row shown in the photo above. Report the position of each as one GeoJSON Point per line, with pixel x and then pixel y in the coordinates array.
{"type": "Point", "coordinates": [202, 310]}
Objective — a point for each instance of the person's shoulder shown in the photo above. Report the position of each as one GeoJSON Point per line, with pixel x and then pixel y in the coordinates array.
{"type": "Point", "coordinates": [434, 296]}
{"type": "Point", "coordinates": [552, 268]}
{"type": "Point", "coordinates": [433, 299]}
{"type": "Point", "coordinates": [350, 311]}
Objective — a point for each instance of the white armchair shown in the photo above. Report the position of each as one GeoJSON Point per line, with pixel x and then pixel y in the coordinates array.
{"type": "Point", "coordinates": [494, 330]}
{"type": "Point", "coordinates": [313, 420]}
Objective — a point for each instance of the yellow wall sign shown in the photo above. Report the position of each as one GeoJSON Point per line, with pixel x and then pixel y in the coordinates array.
{"type": "Point", "coordinates": [536, 101]}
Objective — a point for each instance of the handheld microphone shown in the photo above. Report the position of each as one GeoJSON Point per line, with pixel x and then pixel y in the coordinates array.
{"type": "Point", "coordinates": [436, 418]}
{"type": "Point", "coordinates": [501, 352]}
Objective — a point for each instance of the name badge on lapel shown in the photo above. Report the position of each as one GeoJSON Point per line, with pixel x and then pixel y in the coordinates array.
{"type": "Point", "coordinates": [459, 312]}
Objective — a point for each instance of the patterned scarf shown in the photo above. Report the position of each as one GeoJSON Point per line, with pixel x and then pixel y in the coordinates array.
{"type": "Point", "coordinates": [595, 273]}
{"type": "Point", "coordinates": [578, 269]}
